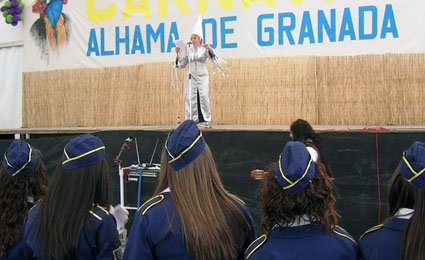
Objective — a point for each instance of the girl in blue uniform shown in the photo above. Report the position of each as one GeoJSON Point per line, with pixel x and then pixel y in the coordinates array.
{"type": "Point", "coordinates": [191, 215]}
{"type": "Point", "coordinates": [23, 180]}
{"type": "Point", "coordinates": [384, 241]}
{"type": "Point", "coordinates": [412, 166]}
{"type": "Point", "coordinates": [71, 222]}
{"type": "Point", "coordinates": [299, 221]}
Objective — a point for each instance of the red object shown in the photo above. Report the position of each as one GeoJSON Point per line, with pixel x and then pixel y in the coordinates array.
{"type": "Point", "coordinates": [378, 179]}
{"type": "Point", "coordinates": [39, 7]}
{"type": "Point", "coordinates": [375, 128]}
{"type": "Point", "coordinates": [65, 2]}
{"type": "Point", "coordinates": [118, 161]}
{"type": "Point", "coordinates": [126, 176]}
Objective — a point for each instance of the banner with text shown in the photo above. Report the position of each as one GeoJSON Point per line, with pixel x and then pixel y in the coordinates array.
{"type": "Point", "coordinates": [66, 34]}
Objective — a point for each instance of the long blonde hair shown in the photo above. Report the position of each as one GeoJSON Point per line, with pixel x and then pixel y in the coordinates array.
{"type": "Point", "coordinates": [210, 216]}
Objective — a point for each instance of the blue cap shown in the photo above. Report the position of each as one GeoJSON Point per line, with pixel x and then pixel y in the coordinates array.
{"type": "Point", "coordinates": [412, 164]}
{"type": "Point", "coordinates": [82, 151]}
{"type": "Point", "coordinates": [184, 145]}
{"type": "Point", "coordinates": [295, 168]}
{"type": "Point", "coordinates": [19, 159]}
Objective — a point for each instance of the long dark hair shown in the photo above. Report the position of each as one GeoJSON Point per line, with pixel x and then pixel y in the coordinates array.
{"type": "Point", "coordinates": [211, 220]}
{"type": "Point", "coordinates": [14, 205]}
{"type": "Point", "coordinates": [401, 194]}
{"type": "Point", "coordinates": [413, 243]}
{"type": "Point", "coordinates": [316, 201]}
{"type": "Point", "coordinates": [301, 131]}
{"type": "Point", "coordinates": [63, 212]}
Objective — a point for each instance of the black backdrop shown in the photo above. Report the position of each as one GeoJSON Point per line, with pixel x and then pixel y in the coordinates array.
{"type": "Point", "coordinates": [351, 155]}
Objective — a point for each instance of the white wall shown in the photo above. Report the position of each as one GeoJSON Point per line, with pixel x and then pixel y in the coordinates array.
{"type": "Point", "coordinates": [11, 87]}
{"type": "Point", "coordinates": [10, 33]}
{"type": "Point", "coordinates": [11, 66]}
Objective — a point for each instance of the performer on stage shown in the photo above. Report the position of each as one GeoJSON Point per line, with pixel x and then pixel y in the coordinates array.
{"type": "Point", "coordinates": [196, 83]}
{"type": "Point", "coordinates": [301, 130]}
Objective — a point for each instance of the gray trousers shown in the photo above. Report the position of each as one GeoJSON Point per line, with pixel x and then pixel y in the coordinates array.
{"type": "Point", "coordinates": [199, 83]}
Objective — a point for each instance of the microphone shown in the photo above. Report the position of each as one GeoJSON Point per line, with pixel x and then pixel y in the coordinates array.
{"type": "Point", "coordinates": [127, 142]}
{"type": "Point", "coordinates": [129, 139]}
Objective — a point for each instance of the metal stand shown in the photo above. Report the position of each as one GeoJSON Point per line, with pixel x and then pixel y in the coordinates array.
{"type": "Point", "coordinates": [132, 173]}
{"type": "Point", "coordinates": [190, 80]}
{"type": "Point", "coordinates": [139, 191]}
{"type": "Point", "coordinates": [135, 173]}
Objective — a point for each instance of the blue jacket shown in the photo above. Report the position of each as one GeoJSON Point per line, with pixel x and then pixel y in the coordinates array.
{"type": "Point", "coordinates": [383, 241]}
{"type": "Point", "coordinates": [100, 241]}
{"type": "Point", "coordinates": [20, 250]}
{"type": "Point", "coordinates": [150, 237]}
{"type": "Point", "coordinates": [299, 243]}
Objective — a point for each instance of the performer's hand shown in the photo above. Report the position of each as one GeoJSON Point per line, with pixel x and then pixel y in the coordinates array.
{"type": "Point", "coordinates": [207, 46]}
{"type": "Point", "coordinates": [177, 50]}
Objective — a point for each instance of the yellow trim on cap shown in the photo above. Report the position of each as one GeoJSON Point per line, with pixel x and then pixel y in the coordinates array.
{"type": "Point", "coordinates": [153, 204]}
{"type": "Point", "coordinates": [299, 179]}
{"type": "Point", "coordinates": [281, 171]}
{"type": "Point", "coordinates": [166, 148]}
{"type": "Point", "coordinates": [417, 174]}
{"type": "Point", "coordinates": [260, 244]}
{"type": "Point", "coordinates": [95, 215]}
{"type": "Point", "coordinates": [8, 161]}
{"type": "Point", "coordinates": [82, 155]}
{"type": "Point", "coordinates": [66, 154]}
{"type": "Point", "coordinates": [185, 151]}
{"type": "Point", "coordinates": [23, 167]}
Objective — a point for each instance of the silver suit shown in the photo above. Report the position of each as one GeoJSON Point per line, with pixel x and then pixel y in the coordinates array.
{"type": "Point", "coordinates": [196, 61]}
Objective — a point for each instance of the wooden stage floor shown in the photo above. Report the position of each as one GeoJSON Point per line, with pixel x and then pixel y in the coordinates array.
{"type": "Point", "coordinates": [166, 128]}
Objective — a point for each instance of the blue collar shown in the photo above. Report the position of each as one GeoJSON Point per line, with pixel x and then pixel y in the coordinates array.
{"type": "Point", "coordinates": [395, 223]}
{"type": "Point", "coordinates": [296, 232]}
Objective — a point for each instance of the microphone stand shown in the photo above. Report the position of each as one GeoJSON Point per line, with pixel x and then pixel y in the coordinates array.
{"type": "Point", "coordinates": [126, 143]}
{"type": "Point", "coordinates": [120, 168]}
{"type": "Point", "coordinates": [139, 192]}
{"type": "Point", "coordinates": [189, 44]}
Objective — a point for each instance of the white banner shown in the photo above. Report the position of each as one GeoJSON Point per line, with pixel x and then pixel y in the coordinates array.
{"type": "Point", "coordinates": [66, 34]}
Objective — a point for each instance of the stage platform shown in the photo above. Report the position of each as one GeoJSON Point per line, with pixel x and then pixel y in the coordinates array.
{"type": "Point", "coordinates": [166, 128]}
{"type": "Point", "coordinates": [362, 158]}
